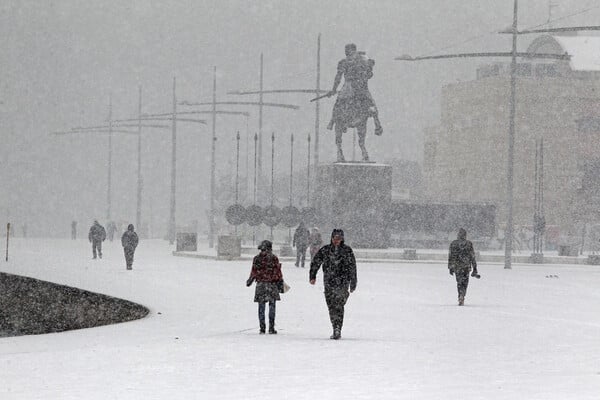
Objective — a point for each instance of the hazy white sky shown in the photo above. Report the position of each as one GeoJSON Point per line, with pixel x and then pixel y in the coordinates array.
{"type": "Point", "coordinates": [61, 59]}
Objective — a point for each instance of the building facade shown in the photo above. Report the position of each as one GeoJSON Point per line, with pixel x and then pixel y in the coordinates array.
{"type": "Point", "coordinates": [465, 157]}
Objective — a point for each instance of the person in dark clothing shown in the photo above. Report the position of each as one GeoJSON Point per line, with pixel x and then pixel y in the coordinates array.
{"type": "Point", "coordinates": [74, 230]}
{"type": "Point", "coordinates": [339, 277]}
{"type": "Point", "coordinates": [461, 257]}
{"type": "Point", "coordinates": [96, 236]}
{"type": "Point", "coordinates": [301, 243]}
{"type": "Point", "coordinates": [129, 240]}
{"type": "Point", "coordinates": [266, 271]}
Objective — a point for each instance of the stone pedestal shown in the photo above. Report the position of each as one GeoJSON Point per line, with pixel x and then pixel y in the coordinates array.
{"type": "Point", "coordinates": [355, 197]}
{"type": "Point", "coordinates": [229, 247]}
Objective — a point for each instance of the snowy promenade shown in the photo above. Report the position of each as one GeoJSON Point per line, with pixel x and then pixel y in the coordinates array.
{"type": "Point", "coordinates": [529, 333]}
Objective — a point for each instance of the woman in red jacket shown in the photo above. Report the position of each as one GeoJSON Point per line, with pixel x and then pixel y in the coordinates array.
{"type": "Point", "coordinates": [266, 270]}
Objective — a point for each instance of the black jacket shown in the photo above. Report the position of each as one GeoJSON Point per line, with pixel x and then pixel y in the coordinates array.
{"type": "Point", "coordinates": [339, 267]}
{"type": "Point", "coordinates": [97, 232]}
{"type": "Point", "coordinates": [461, 254]}
{"type": "Point", "coordinates": [129, 239]}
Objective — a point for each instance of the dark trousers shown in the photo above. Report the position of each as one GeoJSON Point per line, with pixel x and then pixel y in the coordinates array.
{"type": "Point", "coordinates": [300, 255]}
{"type": "Point", "coordinates": [462, 281]}
{"type": "Point", "coordinates": [129, 256]}
{"type": "Point", "coordinates": [336, 300]}
{"type": "Point", "coordinates": [261, 314]}
{"type": "Point", "coordinates": [97, 245]}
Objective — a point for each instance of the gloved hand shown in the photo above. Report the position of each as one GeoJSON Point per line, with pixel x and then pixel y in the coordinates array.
{"type": "Point", "coordinates": [249, 281]}
{"type": "Point", "coordinates": [451, 271]}
{"type": "Point", "coordinates": [475, 274]}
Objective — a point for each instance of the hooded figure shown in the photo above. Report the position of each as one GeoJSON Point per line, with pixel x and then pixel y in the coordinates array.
{"type": "Point", "coordinates": [129, 240]}
{"type": "Point", "coordinates": [96, 236]}
{"type": "Point", "coordinates": [461, 258]}
{"type": "Point", "coordinates": [339, 277]}
{"type": "Point", "coordinates": [266, 271]}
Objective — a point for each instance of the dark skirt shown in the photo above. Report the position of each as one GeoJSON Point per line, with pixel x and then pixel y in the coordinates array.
{"type": "Point", "coordinates": [266, 292]}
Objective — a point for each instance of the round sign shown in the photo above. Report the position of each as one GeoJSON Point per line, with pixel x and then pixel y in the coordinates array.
{"type": "Point", "coordinates": [235, 214]}
{"type": "Point", "coordinates": [272, 216]}
{"type": "Point", "coordinates": [254, 215]}
{"type": "Point", "coordinates": [290, 216]}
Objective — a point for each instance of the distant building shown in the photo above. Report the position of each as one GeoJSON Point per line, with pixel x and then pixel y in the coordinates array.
{"type": "Point", "coordinates": [465, 157]}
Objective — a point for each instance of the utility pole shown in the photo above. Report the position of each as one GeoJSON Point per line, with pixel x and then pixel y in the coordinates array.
{"type": "Point", "coordinates": [138, 213]}
{"type": "Point", "coordinates": [108, 192]}
{"type": "Point", "coordinates": [172, 222]}
{"type": "Point", "coordinates": [211, 233]}
{"type": "Point", "coordinates": [511, 132]}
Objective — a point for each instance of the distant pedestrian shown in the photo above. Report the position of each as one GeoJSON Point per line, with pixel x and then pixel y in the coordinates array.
{"type": "Point", "coordinates": [74, 230]}
{"type": "Point", "coordinates": [461, 257]}
{"type": "Point", "coordinates": [96, 236]}
{"type": "Point", "coordinates": [111, 229]}
{"type": "Point", "coordinates": [129, 240]}
{"type": "Point", "coordinates": [266, 271]}
{"type": "Point", "coordinates": [315, 242]}
{"type": "Point", "coordinates": [339, 277]}
{"type": "Point", "coordinates": [301, 243]}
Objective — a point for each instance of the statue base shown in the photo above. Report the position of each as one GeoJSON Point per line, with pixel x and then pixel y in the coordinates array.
{"type": "Point", "coordinates": [355, 197]}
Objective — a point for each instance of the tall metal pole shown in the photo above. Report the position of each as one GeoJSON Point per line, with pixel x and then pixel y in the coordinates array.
{"type": "Point", "coordinates": [260, 118]}
{"type": "Point", "coordinates": [272, 174]}
{"type": "Point", "coordinates": [317, 93]}
{"type": "Point", "coordinates": [291, 180]}
{"type": "Point", "coordinates": [237, 167]}
{"type": "Point", "coordinates": [138, 214]}
{"type": "Point", "coordinates": [108, 190]}
{"type": "Point", "coordinates": [291, 166]}
{"type": "Point", "coordinates": [511, 145]}
{"type": "Point", "coordinates": [308, 175]}
{"type": "Point", "coordinates": [211, 226]}
{"type": "Point", "coordinates": [254, 195]}
{"type": "Point", "coordinates": [173, 165]}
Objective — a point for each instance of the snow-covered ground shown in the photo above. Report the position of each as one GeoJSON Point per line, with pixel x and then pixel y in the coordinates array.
{"type": "Point", "coordinates": [532, 332]}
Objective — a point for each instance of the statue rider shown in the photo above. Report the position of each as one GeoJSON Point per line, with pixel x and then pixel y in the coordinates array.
{"type": "Point", "coordinates": [354, 104]}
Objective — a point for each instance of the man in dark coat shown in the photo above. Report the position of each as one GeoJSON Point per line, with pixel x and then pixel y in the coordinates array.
{"type": "Point", "coordinates": [266, 271]}
{"type": "Point", "coordinates": [301, 236]}
{"type": "Point", "coordinates": [461, 258]}
{"type": "Point", "coordinates": [339, 277]}
{"type": "Point", "coordinates": [129, 240]}
{"type": "Point", "coordinates": [74, 230]}
{"type": "Point", "coordinates": [96, 236]}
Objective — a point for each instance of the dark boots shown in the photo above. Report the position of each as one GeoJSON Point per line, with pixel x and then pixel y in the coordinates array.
{"type": "Point", "coordinates": [272, 330]}
{"type": "Point", "coordinates": [337, 334]}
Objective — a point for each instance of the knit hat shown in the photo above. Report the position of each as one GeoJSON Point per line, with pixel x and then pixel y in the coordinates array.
{"type": "Point", "coordinates": [265, 245]}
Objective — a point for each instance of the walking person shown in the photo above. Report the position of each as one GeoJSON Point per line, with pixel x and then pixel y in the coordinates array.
{"type": "Point", "coordinates": [96, 236]}
{"type": "Point", "coordinates": [301, 243]}
{"type": "Point", "coordinates": [461, 257]}
{"type": "Point", "coordinates": [129, 240]}
{"type": "Point", "coordinates": [266, 271]}
{"type": "Point", "coordinates": [315, 242]}
{"type": "Point", "coordinates": [339, 277]}
{"type": "Point", "coordinates": [74, 230]}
